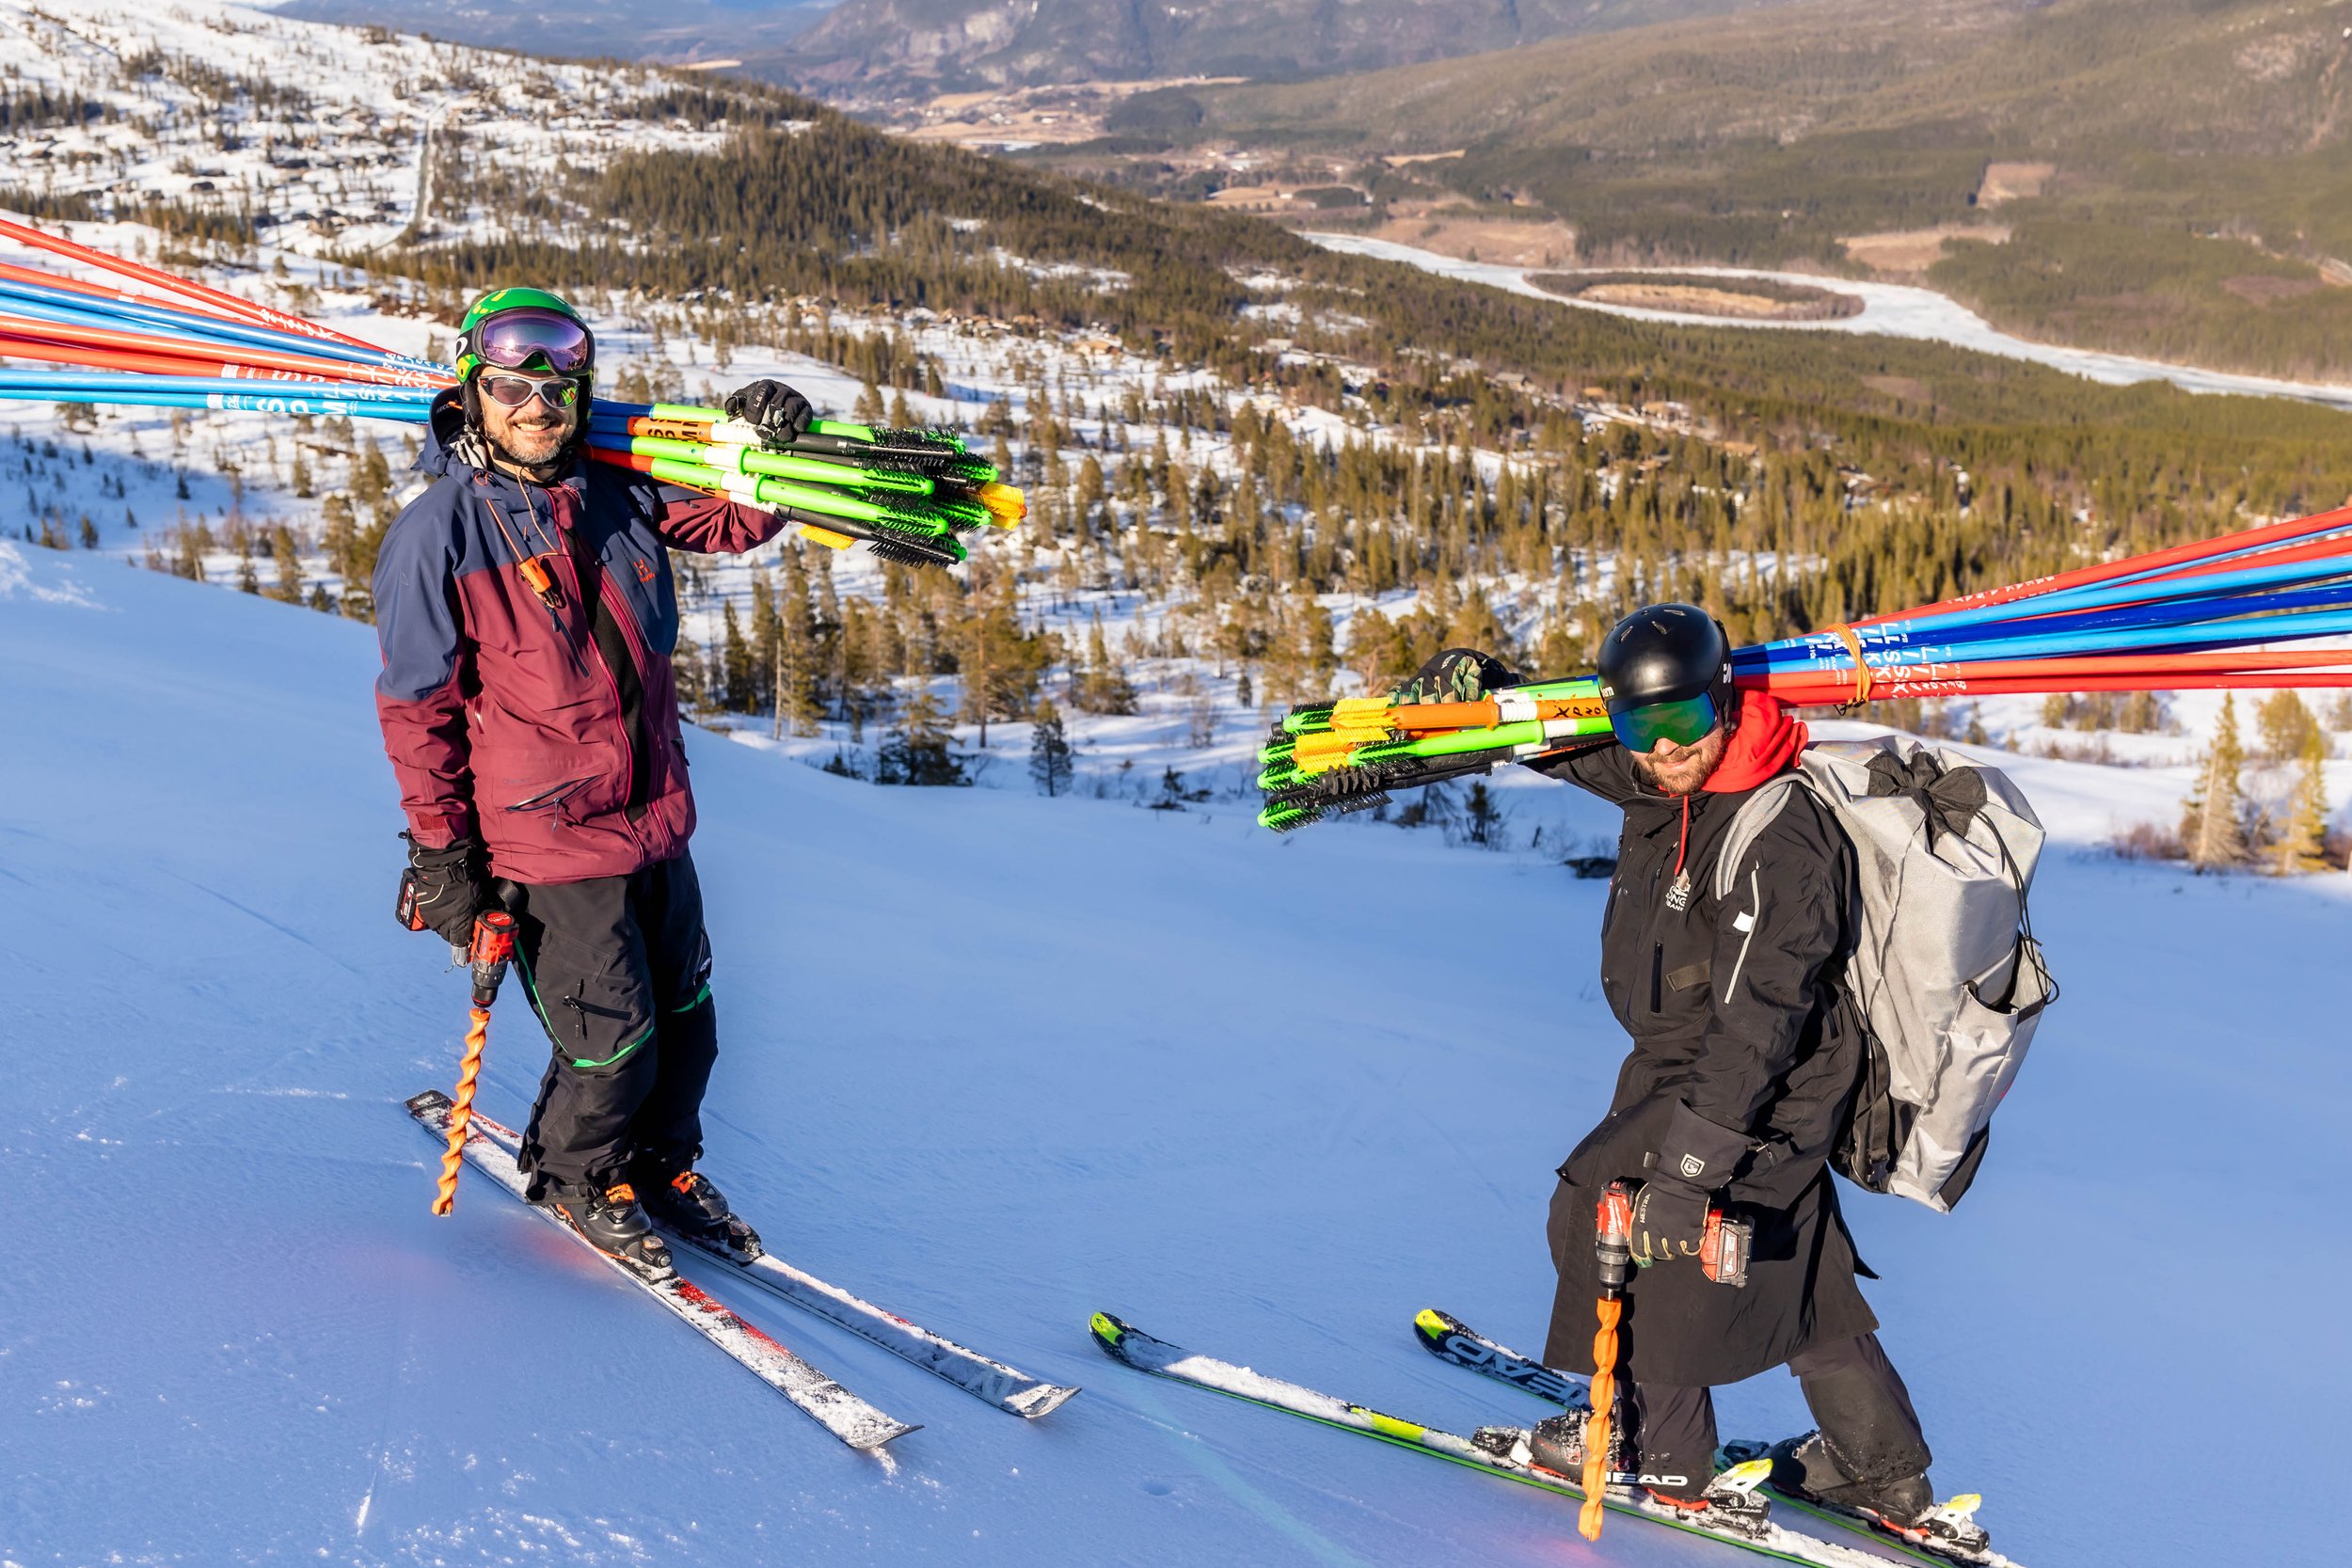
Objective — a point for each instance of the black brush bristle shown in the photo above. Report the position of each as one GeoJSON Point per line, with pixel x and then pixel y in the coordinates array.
{"type": "Point", "coordinates": [910, 555]}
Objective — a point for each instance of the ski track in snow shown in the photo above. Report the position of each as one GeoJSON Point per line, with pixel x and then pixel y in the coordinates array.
{"type": "Point", "coordinates": [1000, 1061]}
{"type": "Point", "coordinates": [1889, 310]}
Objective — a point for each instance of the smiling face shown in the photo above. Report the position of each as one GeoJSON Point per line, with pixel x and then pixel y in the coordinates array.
{"type": "Point", "coordinates": [530, 436]}
{"type": "Point", "coordinates": [1676, 771]}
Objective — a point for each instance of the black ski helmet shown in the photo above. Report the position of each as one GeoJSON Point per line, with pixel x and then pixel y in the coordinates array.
{"type": "Point", "coordinates": [1666, 653]}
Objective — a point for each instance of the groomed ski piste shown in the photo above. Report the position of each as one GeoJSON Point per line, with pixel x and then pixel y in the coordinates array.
{"type": "Point", "coordinates": [1000, 1062]}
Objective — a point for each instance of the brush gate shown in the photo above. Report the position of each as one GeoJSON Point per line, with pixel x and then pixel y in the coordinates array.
{"type": "Point", "coordinates": [1945, 978]}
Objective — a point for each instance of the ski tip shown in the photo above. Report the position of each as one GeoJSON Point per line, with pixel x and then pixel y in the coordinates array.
{"type": "Point", "coordinates": [1042, 1400]}
{"type": "Point", "coordinates": [1108, 1331]}
{"type": "Point", "coordinates": [875, 1442]}
{"type": "Point", "coordinates": [427, 1103]}
{"type": "Point", "coordinates": [1433, 1328]}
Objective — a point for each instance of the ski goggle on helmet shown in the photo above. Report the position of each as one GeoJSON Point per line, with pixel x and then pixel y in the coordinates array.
{"type": "Point", "coordinates": [1666, 674]}
{"type": "Point", "coordinates": [525, 329]}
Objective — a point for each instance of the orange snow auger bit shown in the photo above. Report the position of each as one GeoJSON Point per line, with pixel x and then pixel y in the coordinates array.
{"type": "Point", "coordinates": [1613, 1242]}
{"type": "Point", "coordinates": [1724, 1252]}
{"type": "Point", "coordinates": [493, 949]}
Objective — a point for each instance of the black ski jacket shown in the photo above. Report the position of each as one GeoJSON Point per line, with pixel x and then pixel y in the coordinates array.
{"type": "Point", "coordinates": [1744, 1063]}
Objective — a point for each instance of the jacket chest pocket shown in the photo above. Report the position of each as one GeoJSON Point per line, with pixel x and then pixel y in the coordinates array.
{"type": "Point", "coordinates": [1681, 962]}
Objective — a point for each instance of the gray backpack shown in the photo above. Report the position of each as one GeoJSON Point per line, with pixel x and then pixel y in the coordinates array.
{"type": "Point", "coordinates": [1946, 979]}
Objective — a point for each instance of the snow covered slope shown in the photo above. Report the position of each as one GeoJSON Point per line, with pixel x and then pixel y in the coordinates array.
{"type": "Point", "coordinates": [997, 1061]}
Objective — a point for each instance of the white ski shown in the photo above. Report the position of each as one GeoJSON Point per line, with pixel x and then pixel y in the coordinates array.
{"type": "Point", "coordinates": [833, 1408]}
{"type": "Point", "coordinates": [1007, 1387]}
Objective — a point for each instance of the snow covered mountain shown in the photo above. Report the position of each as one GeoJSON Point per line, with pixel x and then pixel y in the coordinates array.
{"type": "Point", "coordinates": [998, 1061]}
{"type": "Point", "coordinates": [879, 47]}
{"type": "Point", "coordinates": [663, 30]}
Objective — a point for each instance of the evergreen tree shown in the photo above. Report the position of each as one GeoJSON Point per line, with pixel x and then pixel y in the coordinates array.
{"type": "Point", "coordinates": [796, 650]}
{"type": "Point", "coordinates": [767, 650]}
{"type": "Point", "coordinates": [282, 550]}
{"type": "Point", "coordinates": [2286, 725]}
{"type": "Point", "coordinates": [1050, 758]}
{"type": "Point", "coordinates": [2142, 714]}
{"type": "Point", "coordinates": [921, 749]}
{"type": "Point", "coordinates": [1103, 686]}
{"type": "Point", "coordinates": [2212, 823]}
{"type": "Point", "coordinates": [1482, 818]}
{"type": "Point", "coordinates": [1172, 791]}
{"type": "Point", "coordinates": [736, 685]}
{"type": "Point", "coordinates": [2304, 846]}
{"type": "Point", "coordinates": [1002, 665]}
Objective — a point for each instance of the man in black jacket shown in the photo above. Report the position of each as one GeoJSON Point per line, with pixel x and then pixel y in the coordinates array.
{"type": "Point", "coordinates": [1743, 1064]}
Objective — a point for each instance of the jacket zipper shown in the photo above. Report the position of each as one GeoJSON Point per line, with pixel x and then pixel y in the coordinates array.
{"type": "Point", "coordinates": [1656, 950]}
{"type": "Point", "coordinates": [628, 754]}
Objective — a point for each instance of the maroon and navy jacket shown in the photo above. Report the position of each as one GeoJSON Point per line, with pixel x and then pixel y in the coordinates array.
{"type": "Point", "coordinates": [549, 732]}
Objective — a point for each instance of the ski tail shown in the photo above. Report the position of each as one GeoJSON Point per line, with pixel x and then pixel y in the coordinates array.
{"type": "Point", "coordinates": [1449, 1338]}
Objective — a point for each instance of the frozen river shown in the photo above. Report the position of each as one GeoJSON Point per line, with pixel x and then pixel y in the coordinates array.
{"type": "Point", "coordinates": [1892, 310]}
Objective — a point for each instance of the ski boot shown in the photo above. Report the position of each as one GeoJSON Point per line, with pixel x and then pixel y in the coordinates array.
{"type": "Point", "coordinates": [1556, 1445]}
{"type": "Point", "coordinates": [1734, 1503]}
{"type": "Point", "coordinates": [615, 1225]}
{"type": "Point", "coordinates": [692, 1209]}
{"type": "Point", "coordinates": [1904, 1509]}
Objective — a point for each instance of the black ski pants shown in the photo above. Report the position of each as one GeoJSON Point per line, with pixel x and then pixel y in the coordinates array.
{"type": "Point", "coordinates": [619, 969]}
{"type": "Point", "coordinates": [1856, 1397]}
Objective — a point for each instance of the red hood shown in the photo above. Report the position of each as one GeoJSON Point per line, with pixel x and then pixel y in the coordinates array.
{"type": "Point", "coordinates": [1766, 742]}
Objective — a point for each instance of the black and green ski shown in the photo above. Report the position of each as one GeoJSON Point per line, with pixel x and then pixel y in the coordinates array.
{"type": "Point", "coordinates": [1136, 1349]}
{"type": "Point", "coordinates": [1455, 1342]}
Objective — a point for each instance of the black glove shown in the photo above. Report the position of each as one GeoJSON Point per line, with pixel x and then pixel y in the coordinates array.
{"type": "Point", "coordinates": [1457, 675]}
{"type": "Point", "coordinates": [1669, 1221]}
{"type": "Point", "coordinates": [1694, 1157]}
{"type": "Point", "coordinates": [781, 415]}
{"type": "Point", "coordinates": [445, 889]}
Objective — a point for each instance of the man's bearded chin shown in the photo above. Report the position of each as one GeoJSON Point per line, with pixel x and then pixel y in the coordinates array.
{"type": "Point", "coordinates": [1690, 768]}
{"type": "Point", "coordinates": [531, 448]}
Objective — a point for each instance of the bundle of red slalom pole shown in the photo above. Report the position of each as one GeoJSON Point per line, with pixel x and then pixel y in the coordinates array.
{"type": "Point", "coordinates": [147, 338]}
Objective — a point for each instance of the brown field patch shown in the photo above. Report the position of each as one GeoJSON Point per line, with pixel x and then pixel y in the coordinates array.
{"type": "Point", "coordinates": [1473, 237]}
{"type": "Point", "coordinates": [1721, 299]}
{"type": "Point", "coordinates": [2013, 183]}
{"type": "Point", "coordinates": [2262, 289]}
{"type": "Point", "coordinates": [1909, 252]}
{"type": "Point", "coordinates": [1903, 389]}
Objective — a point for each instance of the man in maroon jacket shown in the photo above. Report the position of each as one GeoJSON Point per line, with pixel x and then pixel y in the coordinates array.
{"type": "Point", "coordinates": [526, 613]}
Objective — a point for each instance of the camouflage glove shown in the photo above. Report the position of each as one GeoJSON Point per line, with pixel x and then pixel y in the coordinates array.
{"type": "Point", "coordinates": [1455, 675]}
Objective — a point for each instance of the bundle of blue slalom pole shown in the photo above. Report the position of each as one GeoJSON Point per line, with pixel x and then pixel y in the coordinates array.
{"type": "Point", "coordinates": [148, 338]}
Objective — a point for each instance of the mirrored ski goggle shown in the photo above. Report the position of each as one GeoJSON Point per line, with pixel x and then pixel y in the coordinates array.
{"type": "Point", "coordinates": [513, 392]}
{"type": "Point", "coordinates": [1683, 724]}
{"type": "Point", "coordinates": [513, 338]}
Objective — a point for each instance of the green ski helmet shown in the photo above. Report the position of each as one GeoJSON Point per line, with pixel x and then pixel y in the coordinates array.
{"type": "Point", "coordinates": [529, 330]}
{"type": "Point", "coordinates": [526, 329]}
